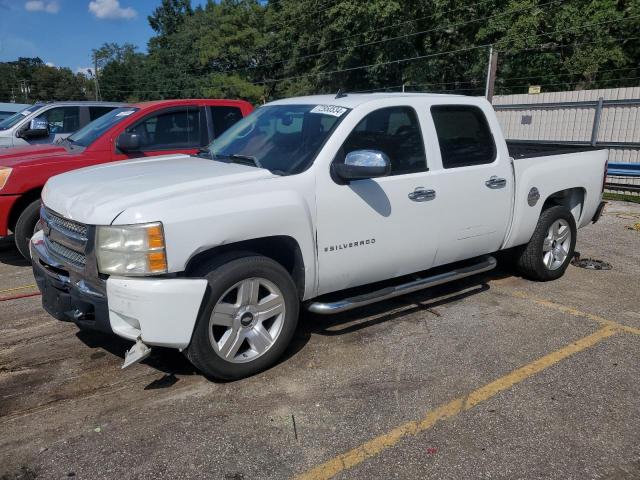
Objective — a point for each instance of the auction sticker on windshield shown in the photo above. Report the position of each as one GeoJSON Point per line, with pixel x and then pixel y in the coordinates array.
{"type": "Point", "coordinates": [126, 113]}
{"type": "Point", "coordinates": [332, 110]}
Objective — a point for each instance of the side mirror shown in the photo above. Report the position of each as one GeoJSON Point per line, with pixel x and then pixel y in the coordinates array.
{"type": "Point", "coordinates": [128, 142]}
{"type": "Point", "coordinates": [361, 164]}
{"type": "Point", "coordinates": [38, 128]}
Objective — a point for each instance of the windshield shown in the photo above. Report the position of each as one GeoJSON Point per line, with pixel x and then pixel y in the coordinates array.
{"type": "Point", "coordinates": [89, 133]}
{"type": "Point", "coordinates": [9, 122]}
{"type": "Point", "coordinates": [281, 138]}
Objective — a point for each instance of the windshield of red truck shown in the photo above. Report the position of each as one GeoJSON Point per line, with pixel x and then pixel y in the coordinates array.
{"type": "Point", "coordinates": [281, 138]}
{"type": "Point", "coordinates": [91, 132]}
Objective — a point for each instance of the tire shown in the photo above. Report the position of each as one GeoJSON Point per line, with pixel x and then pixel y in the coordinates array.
{"type": "Point", "coordinates": [25, 227]}
{"type": "Point", "coordinates": [548, 253]}
{"type": "Point", "coordinates": [229, 340]}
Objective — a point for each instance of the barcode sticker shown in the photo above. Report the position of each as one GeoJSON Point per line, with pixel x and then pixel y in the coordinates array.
{"type": "Point", "coordinates": [332, 110]}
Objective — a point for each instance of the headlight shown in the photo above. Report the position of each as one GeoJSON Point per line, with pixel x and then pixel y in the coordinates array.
{"type": "Point", "coordinates": [4, 176]}
{"type": "Point", "coordinates": [131, 249]}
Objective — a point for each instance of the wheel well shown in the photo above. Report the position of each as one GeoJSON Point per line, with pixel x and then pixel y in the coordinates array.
{"type": "Point", "coordinates": [572, 198]}
{"type": "Point", "coordinates": [284, 250]}
{"type": "Point", "coordinates": [22, 203]}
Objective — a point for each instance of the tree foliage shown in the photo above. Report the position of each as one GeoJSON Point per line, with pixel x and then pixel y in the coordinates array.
{"type": "Point", "coordinates": [259, 50]}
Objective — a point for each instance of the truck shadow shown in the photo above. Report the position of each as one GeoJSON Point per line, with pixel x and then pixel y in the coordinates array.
{"type": "Point", "coordinates": [9, 254]}
{"type": "Point", "coordinates": [172, 363]}
{"type": "Point", "coordinates": [387, 311]}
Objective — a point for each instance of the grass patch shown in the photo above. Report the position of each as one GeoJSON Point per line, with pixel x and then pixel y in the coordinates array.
{"type": "Point", "coordinates": [625, 197]}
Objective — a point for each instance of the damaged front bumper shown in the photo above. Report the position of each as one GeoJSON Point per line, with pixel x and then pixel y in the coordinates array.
{"type": "Point", "coordinates": [155, 311]}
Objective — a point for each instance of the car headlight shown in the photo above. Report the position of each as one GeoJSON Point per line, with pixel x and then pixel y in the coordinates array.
{"type": "Point", "coordinates": [4, 176]}
{"type": "Point", "coordinates": [131, 249]}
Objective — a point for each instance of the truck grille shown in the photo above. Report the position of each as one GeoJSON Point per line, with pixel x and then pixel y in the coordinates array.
{"type": "Point", "coordinates": [64, 224]}
{"type": "Point", "coordinates": [65, 239]}
{"type": "Point", "coordinates": [71, 256]}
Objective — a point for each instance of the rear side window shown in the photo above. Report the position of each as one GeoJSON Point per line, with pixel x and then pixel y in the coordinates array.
{"type": "Point", "coordinates": [97, 112]}
{"type": "Point", "coordinates": [224, 117]}
{"type": "Point", "coordinates": [167, 130]}
{"type": "Point", "coordinates": [62, 119]}
{"type": "Point", "coordinates": [394, 131]}
{"type": "Point", "coordinates": [464, 136]}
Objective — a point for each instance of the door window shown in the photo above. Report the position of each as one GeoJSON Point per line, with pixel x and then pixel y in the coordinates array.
{"type": "Point", "coordinates": [464, 136]}
{"type": "Point", "coordinates": [168, 130]}
{"type": "Point", "coordinates": [394, 131]}
{"type": "Point", "coordinates": [62, 119]}
{"type": "Point", "coordinates": [224, 117]}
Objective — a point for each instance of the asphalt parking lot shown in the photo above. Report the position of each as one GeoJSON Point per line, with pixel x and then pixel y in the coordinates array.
{"type": "Point", "coordinates": [492, 377]}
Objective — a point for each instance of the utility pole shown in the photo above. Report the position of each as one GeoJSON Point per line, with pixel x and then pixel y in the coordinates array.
{"type": "Point", "coordinates": [95, 75]}
{"type": "Point", "coordinates": [491, 74]}
{"type": "Point", "coordinates": [25, 89]}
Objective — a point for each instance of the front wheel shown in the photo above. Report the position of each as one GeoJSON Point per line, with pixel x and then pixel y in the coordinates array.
{"type": "Point", "coordinates": [248, 320]}
{"type": "Point", "coordinates": [25, 227]}
{"type": "Point", "coordinates": [548, 253]}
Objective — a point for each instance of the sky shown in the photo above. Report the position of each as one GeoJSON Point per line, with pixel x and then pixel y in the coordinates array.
{"type": "Point", "coordinates": [63, 32]}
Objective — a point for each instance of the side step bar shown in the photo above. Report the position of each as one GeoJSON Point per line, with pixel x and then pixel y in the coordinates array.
{"type": "Point", "coordinates": [326, 308]}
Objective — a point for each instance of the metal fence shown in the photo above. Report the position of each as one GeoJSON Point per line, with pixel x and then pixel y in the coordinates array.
{"type": "Point", "coordinates": [607, 118]}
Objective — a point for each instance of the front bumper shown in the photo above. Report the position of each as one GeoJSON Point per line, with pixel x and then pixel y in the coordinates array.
{"type": "Point", "coordinates": [159, 311]}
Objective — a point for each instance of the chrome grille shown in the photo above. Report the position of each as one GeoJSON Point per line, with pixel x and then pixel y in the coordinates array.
{"type": "Point", "coordinates": [61, 251]}
{"type": "Point", "coordinates": [65, 239]}
{"type": "Point", "coordinates": [67, 225]}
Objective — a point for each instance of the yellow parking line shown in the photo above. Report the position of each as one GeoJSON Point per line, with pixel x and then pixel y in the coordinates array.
{"type": "Point", "coordinates": [377, 445]}
{"type": "Point", "coordinates": [575, 312]}
{"type": "Point", "coordinates": [23, 287]}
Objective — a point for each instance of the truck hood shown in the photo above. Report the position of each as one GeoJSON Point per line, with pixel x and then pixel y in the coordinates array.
{"type": "Point", "coordinates": [31, 155]}
{"type": "Point", "coordinates": [97, 195]}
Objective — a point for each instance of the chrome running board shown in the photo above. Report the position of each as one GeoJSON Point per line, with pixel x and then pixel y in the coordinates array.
{"type": "Point", "coordinates": [326, 308]}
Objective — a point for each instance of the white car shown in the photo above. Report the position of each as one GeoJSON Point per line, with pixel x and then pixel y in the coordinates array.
{"type": "Point", "coordinates": [308, 201]}
{"type": "Point", "coordinates": [44, 123]}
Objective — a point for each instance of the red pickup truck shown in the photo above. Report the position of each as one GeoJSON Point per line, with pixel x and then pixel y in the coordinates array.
{"type": "Point", "coordinates": [144, 129]}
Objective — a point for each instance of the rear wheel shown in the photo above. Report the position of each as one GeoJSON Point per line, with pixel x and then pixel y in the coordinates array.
{"type": "Point", "coordinates": [249, 318]}
{"type": "Point", "coordinates": [548, 253]}
{"type": "Point", "coordinates": [26, 227]}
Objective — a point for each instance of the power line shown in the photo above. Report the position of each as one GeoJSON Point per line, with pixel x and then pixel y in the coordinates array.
{"type": "Point", "coordinates": [409, 59]}
{"type": "Point", "coordinates": [400, 37]}
{"type": "Point", "coordinates": [432, 55]}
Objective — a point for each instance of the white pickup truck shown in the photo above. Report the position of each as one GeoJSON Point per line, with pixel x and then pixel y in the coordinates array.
{"type": "Point", "coordinates": [329, 202]}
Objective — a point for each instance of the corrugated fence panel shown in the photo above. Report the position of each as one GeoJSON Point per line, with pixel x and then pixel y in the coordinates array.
{"type": "Point", "coordinates": [618, 123]}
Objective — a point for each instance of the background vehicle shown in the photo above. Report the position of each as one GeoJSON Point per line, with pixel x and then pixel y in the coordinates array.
{"type": "Point", "coordinates": [50, 122]}
{"type": "Point", "coordinates": [146, 129]}
{"type": "Point", "coordinates": [8, 109]}
{"type": "Point", "coordinates": [307, 200]}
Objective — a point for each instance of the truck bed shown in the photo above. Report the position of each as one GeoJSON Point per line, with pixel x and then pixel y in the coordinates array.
{"type": "Point", "coordinates": [519, 149]}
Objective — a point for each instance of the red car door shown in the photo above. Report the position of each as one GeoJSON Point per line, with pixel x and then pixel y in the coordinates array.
{"type": "Point", "coordinates": [179, 129]}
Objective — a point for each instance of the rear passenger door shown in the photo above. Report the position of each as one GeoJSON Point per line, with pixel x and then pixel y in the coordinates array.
{"type": "Point", "coordinates": [169, 131]}
{"type": "Point", "coordinates": [474, 186]}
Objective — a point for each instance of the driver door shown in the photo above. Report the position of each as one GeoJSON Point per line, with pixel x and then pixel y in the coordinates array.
{"type": "Point", "coordinates": [374, 229]}
{"type": "Point", "coordinates": [62, 121]}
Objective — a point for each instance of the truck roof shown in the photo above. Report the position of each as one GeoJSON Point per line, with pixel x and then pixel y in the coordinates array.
{"type": "Point", "coordinates": [189, 101]}
{"type": "Point", "coordinates": [352, 100]}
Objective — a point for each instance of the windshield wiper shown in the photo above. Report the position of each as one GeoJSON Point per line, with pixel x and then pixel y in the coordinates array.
{"type": "Point", "coordinates": [204, 153]}
{"type": "Point", "coordinates": [243, 159]}
{"type": "Point", "coordinates": [237, 158]}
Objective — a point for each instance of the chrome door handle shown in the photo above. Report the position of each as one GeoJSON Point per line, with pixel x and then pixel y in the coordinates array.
{"type": "Point", "coordinates": [496, 182]}
{"type": "Point", "coordinates": [420, 194]}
